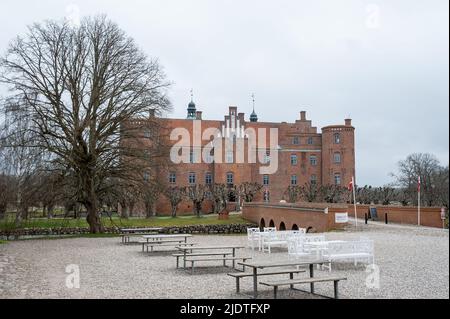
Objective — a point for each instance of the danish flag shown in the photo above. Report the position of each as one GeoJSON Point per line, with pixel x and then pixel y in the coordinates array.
{"type": "Point", "coordinates": [418, 185]}
{"type": "Point", "coordinates": [350, 185]}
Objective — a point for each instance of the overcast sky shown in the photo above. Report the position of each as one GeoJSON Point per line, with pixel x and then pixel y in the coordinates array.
{"type": "Point", "coordinates": [383, 63]}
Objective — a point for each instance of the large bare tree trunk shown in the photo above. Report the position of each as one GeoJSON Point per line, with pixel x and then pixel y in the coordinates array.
{"type": "Point", "coordinates": [124, 212]}
{"type": "Point", "coordinates": [174, 211]}
{"type": "Point", "coordinates": [93, 218]}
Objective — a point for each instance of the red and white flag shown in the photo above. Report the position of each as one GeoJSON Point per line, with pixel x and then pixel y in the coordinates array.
{"type": "Point", "coordinates": [350, 185]}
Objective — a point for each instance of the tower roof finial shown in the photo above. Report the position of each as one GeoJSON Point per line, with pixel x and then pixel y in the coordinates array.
{"type": "Point", "coordinates": [253, 116]}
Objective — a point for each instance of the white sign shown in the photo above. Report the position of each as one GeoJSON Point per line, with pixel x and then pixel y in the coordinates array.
{"type": "Point", "coordinates": [443, 213]}
{"type": "Point", "coordinates": [341, 218]}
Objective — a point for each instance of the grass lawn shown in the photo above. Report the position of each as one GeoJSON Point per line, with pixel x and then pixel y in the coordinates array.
{"type": "Point", "coordinates": [131, 222]}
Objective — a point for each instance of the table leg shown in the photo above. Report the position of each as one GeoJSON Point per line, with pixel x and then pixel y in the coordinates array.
{"type": "Point", "coordinates": [255, 282]}
{"type": "Point", "coordinates": [234, 261]}
{"type": "Point", "coordinates": [184, 258]}
{"type": "Point", "coordinates": [311, 275]}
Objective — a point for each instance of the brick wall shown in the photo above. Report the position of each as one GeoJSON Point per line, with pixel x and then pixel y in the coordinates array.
{"type": "Point", "coordinates": [430, 216]}
{"type": "Point", "coordinates": [291, 215]}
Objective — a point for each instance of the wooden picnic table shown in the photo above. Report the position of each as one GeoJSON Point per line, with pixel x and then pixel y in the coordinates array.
{"type": "Point", "coordinates": [126, 233]}
{"type": "Point", "coordinates": [222, 247]}
{"type": "Point", "coordinates": [139, 230]}
{"type": "Point", "coordinates": [165, 238]}
{"type": "Point", "coordinates": [261, 265]}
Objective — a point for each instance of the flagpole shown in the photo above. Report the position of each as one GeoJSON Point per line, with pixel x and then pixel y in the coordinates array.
{"type": "Point", "coordinates": [354, 201]}
{"type": "Point", "coordinates": [418, 204]}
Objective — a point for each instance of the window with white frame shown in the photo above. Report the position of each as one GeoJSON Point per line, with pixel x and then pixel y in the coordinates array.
{"type": "Point", "coordinates": [265, 179]}
{"type": "Point", "coordinates": [230, 178]}
{"type": "Point", "coordinates": [208, 179]}
{"type": "Point", "coordinates": [310, 140]}
{"type": "Point", "coordinates": [313, 160]}
{"type": "Point", "coordinates": [313, 180]}
{"type": "Point", "coordinates": [294, 159]}
{"type": "Point", "coordinates": [172, 177]}
{"type": "Point", "coordinates": [296, 140]}
{"type": "Point", "coordinates": [337, 179]}
{"type": "Point", "coordinates": [293, 180]}
{"type": "Point", "coordinates": [192, 178]}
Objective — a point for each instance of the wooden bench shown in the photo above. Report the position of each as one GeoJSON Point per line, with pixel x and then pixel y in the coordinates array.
{"type": "Point", "coordinates": [292, 282]}
{"type": "Point", "coordinates": [178, 256]}
{"type": "Point", "coordinates": [238, 276]}
{"type": "Point", "coordinates": [224, 259]}
{"type": "Point", "coordinates": [166, 243]}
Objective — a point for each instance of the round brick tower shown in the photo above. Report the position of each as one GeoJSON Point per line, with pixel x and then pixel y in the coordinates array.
{"type": "Point", "coordinates": [338, 154]}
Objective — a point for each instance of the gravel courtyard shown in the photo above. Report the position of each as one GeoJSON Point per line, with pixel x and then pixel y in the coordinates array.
{"type": "Point", "coordinates": [413, 263]}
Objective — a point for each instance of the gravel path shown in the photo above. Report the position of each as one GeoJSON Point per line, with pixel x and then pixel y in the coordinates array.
{"type": "Point", "coordinates": [413, 263]}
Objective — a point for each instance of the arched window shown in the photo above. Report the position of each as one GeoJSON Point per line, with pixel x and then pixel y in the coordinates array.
{"type": "Point", "coordinates": [337, 138]}
{"type": "Point", "coordinates": [282, 226]}
{"type": "Point", "coordinates": [271, 224]}
{"type": "Point", "coordinates": [337, 158]}
{"type": "Point", "coordinates": [294, 227]}
{"type": "Point", "coordinates": [262, 224]}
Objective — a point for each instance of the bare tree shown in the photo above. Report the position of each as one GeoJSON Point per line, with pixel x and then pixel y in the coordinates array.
{"type": "Point", "coordinates": [248, 191]}
{"type": "Point", "coordinates": [334, 194]}
{"type": "Point", "coordinates": [6, 193]}
{"type": "Point", "coordinates": [150, 193]}
{"type": "Point", "coordinates": [175, 195]}
{"type": "Point", "coordinates": [309, 192]}
{"type": "Point", "coordinates": [21, 157]}
{"type": "Point", "coordinates": [82, 86]}
{"type": "Point", "coordinates": [220, 195]}
{"type": "Point", "coordinates": [432, 175]}
{"type": "Point", "coordinates": [293, 193]}
{"type": "Point", "coordinates": [197, 194]}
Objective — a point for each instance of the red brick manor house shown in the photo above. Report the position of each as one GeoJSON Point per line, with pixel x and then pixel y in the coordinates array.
{"type": "Point", "coordinates": [303, 154]}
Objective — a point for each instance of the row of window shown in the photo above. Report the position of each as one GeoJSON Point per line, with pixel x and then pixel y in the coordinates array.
{"type": "Point", "coordinates": [313, 159]}
{"type": "Point", "coordinates": [310, 140]}
{"type": "Point", "coordinates": [296, 140]}
{"type": "Point", "coordinates": [192, 179]}
{"type": "Point", "coordinates": [294, 158]}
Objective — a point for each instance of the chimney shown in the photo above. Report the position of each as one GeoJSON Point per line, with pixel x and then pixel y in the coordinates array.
{"type": "Point", "coordinates": [303, 116]}
{"type": "Point", "coordinates": [348, 122]}
{"type": "Point", "coordinates": [198, 115]}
